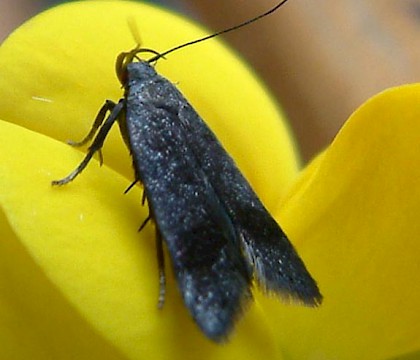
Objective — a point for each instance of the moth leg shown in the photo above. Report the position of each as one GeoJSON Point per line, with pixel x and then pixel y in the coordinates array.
{"type": "Point", "coordinates": [161, 267]}
{"type": "Point", "coordinates": [96, 144]}
{"type": "Point", "coordinates": [131, 186]}
{"type": "Point", "coordinates": [143, 198]}
{"type": "Point", "coordinates": [100, 117]}
{"type": "Point", "coordinates": [144, 223]}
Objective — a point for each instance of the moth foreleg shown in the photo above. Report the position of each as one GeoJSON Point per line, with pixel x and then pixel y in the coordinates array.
{"type": "Point", "coordinates": [96, 144]}
{"type": "Point", "coordinates": [100, 117]}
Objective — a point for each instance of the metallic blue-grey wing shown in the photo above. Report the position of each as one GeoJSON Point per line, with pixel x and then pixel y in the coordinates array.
{"type": "Point", "coordinates": [212, 273]}
{"type": "Point", "coordinates": [278, 268]}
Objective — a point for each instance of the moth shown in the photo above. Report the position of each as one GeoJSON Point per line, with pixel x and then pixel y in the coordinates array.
{"type": "Point", "coordinates": [219, 235]}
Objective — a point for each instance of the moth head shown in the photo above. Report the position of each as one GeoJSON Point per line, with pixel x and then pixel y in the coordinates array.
{"type": "Point", "coordinates": [127, 57]}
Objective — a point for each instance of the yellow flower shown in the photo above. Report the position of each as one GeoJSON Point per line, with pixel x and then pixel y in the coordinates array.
{"type": "Point", "coordinates": [78, 281]}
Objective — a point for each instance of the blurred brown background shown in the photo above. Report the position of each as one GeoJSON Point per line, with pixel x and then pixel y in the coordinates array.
{"type": "Point", "coordinates": [321, 58]}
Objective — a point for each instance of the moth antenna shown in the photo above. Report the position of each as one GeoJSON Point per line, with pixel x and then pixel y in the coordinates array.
{"type": "Point", "coordinates": [134, 29]}
{"type": "Point", "coordinates": [232, 28]}
{"type": "Point", "coordinates": [127, 57]}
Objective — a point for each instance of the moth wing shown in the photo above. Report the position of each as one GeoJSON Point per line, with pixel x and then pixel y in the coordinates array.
{"type": "Point", "coordinates": [277, 266]}
{"type": "Point", "coordinates": [209, 266]}
{"type": "Point", "coordinates": [211, 271]}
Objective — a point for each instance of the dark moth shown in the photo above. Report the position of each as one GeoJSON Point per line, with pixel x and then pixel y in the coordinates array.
{"type": "Point", "coordinates": [219, 235]}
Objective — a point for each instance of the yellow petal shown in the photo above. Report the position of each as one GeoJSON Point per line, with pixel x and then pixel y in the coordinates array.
{"type": "Point", "coordinates": [354, 216]}
{"type": "Point", "coordinates": [86, 282]}
{"type": "Point", "coordinates": [58, 69]}
{"type": "Point", "coordinates": [77, 279]}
